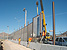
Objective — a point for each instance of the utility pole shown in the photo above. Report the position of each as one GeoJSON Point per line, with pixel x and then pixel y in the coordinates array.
{"type": "Point", "coordinates": [53, 8]}
{"type": "Point", "coordinates": [8, 32]}
{"type": "Point", "coordinates": [25, 15]}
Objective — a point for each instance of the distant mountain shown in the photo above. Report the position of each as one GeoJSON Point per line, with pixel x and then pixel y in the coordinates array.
{"type": "Point", "coordinates": [63, 34]}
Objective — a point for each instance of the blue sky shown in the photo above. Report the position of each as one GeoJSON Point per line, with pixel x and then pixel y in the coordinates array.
{"type": "Point", "coordinates": [11, 9]}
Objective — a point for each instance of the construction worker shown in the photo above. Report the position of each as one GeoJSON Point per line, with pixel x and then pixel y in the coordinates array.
{"type": "Point", "coordinates": [29, 40]}
{"type": "Point", "coordinates": [19, 40]}
{"type": "Point", "coordinates": [43, 36]}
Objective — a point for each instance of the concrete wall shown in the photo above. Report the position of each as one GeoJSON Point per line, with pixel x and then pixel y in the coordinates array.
{"type": "Point", "coordinates": [17, 34]}
{"type": "Point", "coordinates": [22, 34]}
{"type": "Point", "coordinates": [35, 27]}
{"type": "Point", "coordinates": [29, 30]}
{"type": "Point", "coordinates": [25, 33]}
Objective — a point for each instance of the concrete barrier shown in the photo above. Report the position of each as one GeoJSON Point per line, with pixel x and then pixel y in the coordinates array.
{"type": "Point", "coordinates": [38, 46]}
{"type": "Point", "coordinates": [63, 48]}
{"type": "Point", "coordinates": [47, 47]}
{"type": "Point", "coordinates": [24, 43]}
{"type": "Point", "coordinates": [32, 45]}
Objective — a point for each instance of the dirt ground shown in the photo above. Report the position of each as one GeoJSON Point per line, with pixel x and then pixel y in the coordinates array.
{"type": "Point", "coordinates": [8, 45]}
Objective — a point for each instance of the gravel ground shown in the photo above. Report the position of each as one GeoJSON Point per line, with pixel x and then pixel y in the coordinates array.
{"type": "Point", "coordinates": [8, 45]}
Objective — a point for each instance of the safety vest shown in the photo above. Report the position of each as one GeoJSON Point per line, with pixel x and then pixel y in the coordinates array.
{"type": "Point", "coordinates": [43, 34]}
{"type": "Point", "coordinates": [19, 39]}
{"type": "Point", "coordinates": [30, 39]}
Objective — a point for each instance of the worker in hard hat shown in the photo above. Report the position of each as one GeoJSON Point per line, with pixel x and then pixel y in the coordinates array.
{"type": "Point", "coordinates": [43, 35]}
{"type": "Point", "coordinates": [29, 40]}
